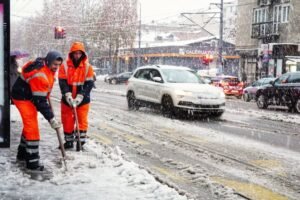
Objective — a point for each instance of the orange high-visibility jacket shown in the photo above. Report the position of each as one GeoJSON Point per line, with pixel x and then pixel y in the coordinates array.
{"type": "Point", "coordinates": [77, 80]}
{"type": "Point", "coordinates": [35, 84]}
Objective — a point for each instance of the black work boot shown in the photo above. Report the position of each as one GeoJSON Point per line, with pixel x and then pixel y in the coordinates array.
{"type": "Point", "coordinates": [69, 138]}
{"type": "Point", "coordinates": [33, 162]}
{"type": "Point", "coordinates": [78, 147]}
{"type": "Point", "coordinates": [69, 145]}
{"type": "Point", "coordinates": [83, 138]}
{"type": "Point", "coordinates": [21, 155]}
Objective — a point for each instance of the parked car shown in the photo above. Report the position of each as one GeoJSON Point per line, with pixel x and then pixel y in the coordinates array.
{"type": "Point", "coordinates": [119, 78]}
{"type": "Point", "coordinates": [230, 84]}
{"type": "Point", "coordinates": [207, 78]}
{"type": "Point", "coordinates": [177, 90]}
{"type": "Point", "coordinates": [106, 78]}
{"type": "Point", "coordinates": [249, 92]}
{"type": "Point", "coordinates": [284, 91]}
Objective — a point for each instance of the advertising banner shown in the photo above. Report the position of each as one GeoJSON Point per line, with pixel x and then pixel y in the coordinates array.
{"type": "Point", "coordinates": [279, 68]}
{"type": "Point", "coordinates": [4, 75]}
{"type": "Point", "coordinates": [271, 68]}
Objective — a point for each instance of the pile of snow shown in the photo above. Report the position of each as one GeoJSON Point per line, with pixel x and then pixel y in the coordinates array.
{"type": "Point", "coordinates": [100, 172]}
{"type": "Point", "coordinates": [113, 92]}
{"type": "Point", "coordinates": [295, 119]}
{"type": "Point", "coordinates": [101, 77]}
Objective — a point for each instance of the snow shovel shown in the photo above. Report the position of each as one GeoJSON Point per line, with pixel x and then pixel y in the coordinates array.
{"type": "Point", "coordinates": [78, 146]}
{"type": "Point", "coordinates": [61, 145]}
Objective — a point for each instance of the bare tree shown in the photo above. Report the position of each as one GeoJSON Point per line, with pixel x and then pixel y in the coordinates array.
{"type": "Point", "coordinates": [100, 24]}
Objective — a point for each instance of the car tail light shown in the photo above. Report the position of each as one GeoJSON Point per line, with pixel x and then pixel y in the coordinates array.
{"type": "Point", "coordinates": [126, 82]}
{"type": "Point", "coordinates": [241, 85]}
{"type": "Point", "coordinates": [224, 84]}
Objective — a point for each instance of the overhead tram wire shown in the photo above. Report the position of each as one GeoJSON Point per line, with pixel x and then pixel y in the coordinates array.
{"type": "Point", "coordinates": [93, 24]}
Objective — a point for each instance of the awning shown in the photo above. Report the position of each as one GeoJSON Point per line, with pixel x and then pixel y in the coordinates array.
{"type": "Point", "coordinates": [292, 60]}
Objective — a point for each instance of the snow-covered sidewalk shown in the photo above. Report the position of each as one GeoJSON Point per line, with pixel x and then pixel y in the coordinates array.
{"type": "Point", "coordinates": [100, 172]}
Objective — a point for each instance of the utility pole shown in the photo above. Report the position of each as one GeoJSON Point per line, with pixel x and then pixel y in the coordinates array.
{"type": "Point", "coordinates": [221, 37]}
{"type": "Point", "coordinates": [140, 34]}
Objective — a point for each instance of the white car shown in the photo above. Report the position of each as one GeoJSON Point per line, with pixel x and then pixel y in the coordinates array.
{"type": "Point", "coordinates": [175, 89]}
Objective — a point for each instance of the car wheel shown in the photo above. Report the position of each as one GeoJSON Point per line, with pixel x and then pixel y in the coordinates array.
{"type": "Point", "coordinates": [261, 102]}
{"type": "Point", "coordinates": [131, 101]}
{"type": "Point", "coordinates": [114, 81]}
{"type": "Point", "coordinates": [297, 106]}
{"type": "Point", "coordinates": [216, 114]}
{"type": "Point", "coordinates": [168, 109]}
{"type": "Point", "coordinates": [246, 97]}
{"type": "Point", "coordinates": [181, 114]}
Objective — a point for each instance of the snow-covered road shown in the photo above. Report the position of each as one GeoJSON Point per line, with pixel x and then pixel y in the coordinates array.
{"type": "Point", "coordinates": [100, 172]}
{"type": "Point", "coordinates": [247, 154]}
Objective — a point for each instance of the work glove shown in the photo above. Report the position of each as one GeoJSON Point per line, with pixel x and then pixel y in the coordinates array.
{"type": "Point", "coordinates": [69, 98]}
{"type": "Point", "coordinates": [78, 100]}
{"type": "Point", "coordinates": [54, 123]}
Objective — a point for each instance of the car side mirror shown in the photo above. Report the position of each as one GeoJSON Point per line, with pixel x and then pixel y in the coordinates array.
{"type": "Point", "coordinates": [157, 79]}
{"type": "Point", "coordinates": [272, 82]}
{"type": "Point", "coordinates": [207, 81]}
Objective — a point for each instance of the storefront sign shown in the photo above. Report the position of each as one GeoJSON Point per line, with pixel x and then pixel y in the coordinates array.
{"type": "Point", "coordinates": [198, 51]}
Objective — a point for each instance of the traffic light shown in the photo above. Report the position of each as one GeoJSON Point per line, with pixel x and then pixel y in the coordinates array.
{"type": "Point", "coordinates": [207, 59]}
{"type": "Point", "coordinates": [59, 33]}
{"type": "Point", "coordinates": [63, 33]}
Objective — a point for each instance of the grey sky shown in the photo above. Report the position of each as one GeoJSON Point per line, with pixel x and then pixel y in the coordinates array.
{"type": "Point", "coordinates": [151, 9]}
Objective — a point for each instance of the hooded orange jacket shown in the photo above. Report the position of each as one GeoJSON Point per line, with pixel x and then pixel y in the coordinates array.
{"type": "Point", "coordinates": [35, 84]}
{"type": "Point", "coordinates": [76, 79]}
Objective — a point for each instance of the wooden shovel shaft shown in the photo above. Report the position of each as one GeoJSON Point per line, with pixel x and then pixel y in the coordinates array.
{"type": "Point", "coordinates": [77, 127]}
{"type": "Point", "coordinates": [61, 145]}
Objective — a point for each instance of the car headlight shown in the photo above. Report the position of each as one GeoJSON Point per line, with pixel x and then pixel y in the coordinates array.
{"type": "Point", "coordinates": [222, 95]}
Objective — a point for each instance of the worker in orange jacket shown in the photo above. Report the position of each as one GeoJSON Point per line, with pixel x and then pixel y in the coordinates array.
{"type": "Point", "coordinates": [76, 82]}
{"type": "Point", "coordinates": [30, 94]}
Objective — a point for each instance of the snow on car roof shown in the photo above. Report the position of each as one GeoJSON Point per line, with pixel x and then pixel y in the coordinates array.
{"type": "Point", "coordinates": [165, 67]}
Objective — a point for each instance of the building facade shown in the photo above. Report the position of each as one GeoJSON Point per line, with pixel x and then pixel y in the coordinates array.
{"type": "Point", "coordinates": [198, 54]}
{"type": "Point", "coordinates": [268, 37]}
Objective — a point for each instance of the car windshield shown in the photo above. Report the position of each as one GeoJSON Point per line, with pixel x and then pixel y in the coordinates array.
{"type": "Point", "coordinates": [232, 80]}
{"type": "Point", "coordinates": [181, 76]}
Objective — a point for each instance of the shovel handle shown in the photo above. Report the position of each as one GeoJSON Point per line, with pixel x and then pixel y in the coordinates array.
{"type": "Point", "coordinates": [77, 128]}
{"type": "Point", "coordinates": [61, 145]}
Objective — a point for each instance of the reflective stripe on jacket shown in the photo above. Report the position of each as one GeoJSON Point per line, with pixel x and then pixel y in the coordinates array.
{"type": "Point", "coordinates": [77, 80]}
{"type": "Point", "coordinates": [35, 84]}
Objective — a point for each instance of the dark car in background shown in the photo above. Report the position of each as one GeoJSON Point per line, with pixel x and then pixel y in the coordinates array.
{"type": "Point", "coordinates": [106, 78]}
{"type": "Point", "coordinates": [284, 91]}
{"type": "Point", "coordinates": [249, 92]}
{"type": "Point", "coordinates": [118, 78]}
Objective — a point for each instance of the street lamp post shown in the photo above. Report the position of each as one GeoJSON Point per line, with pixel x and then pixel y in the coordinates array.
{"type": "Point", "coordinates": [140, 33]}
{"type": "Point", "coordinates": [221, 38]}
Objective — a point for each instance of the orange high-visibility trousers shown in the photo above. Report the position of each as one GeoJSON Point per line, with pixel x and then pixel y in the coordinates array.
{"type": "Point", "coordinates": [68, 118]}
{"type": "Point", "coordinates": [29, 116]}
